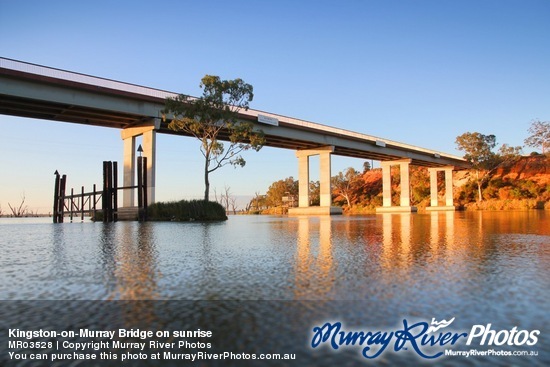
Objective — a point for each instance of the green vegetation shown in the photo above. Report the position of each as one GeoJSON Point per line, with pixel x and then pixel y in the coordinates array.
{"type": "Point", "coordinates": [186, 211]}
{"type": "Point", "coordinates": [521, 183]}
{"type": "Point", "coordinates": [479, 154]}
{"type": "Point", "coordinates": [214, 116]}
{"type": "Point", "coordinates": [503, 180]}
{"type": "Point", "coordinates": [361, 192]}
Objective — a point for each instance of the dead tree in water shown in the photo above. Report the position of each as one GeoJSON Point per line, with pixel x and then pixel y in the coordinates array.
{"type": "Point", "coordinates": [21, 210]}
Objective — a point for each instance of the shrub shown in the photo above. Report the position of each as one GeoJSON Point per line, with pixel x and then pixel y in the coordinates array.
{"type": "Point", "coordinates": [186, 211]}
{"type": "Point", "coordinates": [510, 204]}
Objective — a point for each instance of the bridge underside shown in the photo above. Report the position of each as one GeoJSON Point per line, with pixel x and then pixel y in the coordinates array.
{"type": "Point", "coordinates": [44, 110]}
{"type": "Point", "coordinates": [46, 98]}
{"type": "Point", "coordinates": [92, 101]}
{"type": "Point", "coordinates": [295, 140]}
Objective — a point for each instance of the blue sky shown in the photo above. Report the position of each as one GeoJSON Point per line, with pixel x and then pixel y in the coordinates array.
{"type": "Point", "coordinates": [419, 72]}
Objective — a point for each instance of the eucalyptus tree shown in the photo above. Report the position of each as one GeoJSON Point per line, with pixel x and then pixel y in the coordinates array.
{"type": "Point", "coordinates": [479, 153]}
{"type": "Point", "coordinates": [214, 117]}
{"type": "Point", "coordinates": [540, 135]}
{"type": "Point", "coordinates": [345, 183]}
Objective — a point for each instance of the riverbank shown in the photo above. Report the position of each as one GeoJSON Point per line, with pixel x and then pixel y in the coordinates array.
{"type": "Point", "coordinates": [488, 205]}
{"type": "Point", "coordinates": [514, 204]}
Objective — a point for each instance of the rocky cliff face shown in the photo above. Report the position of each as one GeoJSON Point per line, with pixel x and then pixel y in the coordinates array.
{"type": "Point", "coordinates": [525, 181]}
{"type": "Point", "coordinates": [522, 183]}
{"type": "Point", "coordinates": [533, 168]}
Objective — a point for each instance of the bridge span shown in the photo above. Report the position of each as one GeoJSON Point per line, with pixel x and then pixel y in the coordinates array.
{"type": "Point", "coordinates": [35, 91]}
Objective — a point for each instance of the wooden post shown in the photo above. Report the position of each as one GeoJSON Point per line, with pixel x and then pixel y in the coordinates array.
{"type": "Point", "coordinates": [76, 203]}
{"type": "Point", "coordinates": [144, 183]}
{"type": "Point", "coordinates": [114, 187]}
{"type": "Point", "coordinates": [94, 204]}
{"type": "Point", "coordinates": [61, 205]}
{"type": "Point", "coordinates": [71, 205]}
{"type": "Point", "coordinates": [56, 197]}
{"type": "Point", "coordinates": [139, 186]}
{"type": "Point", "coordinates": [105, 195]}
{"type": "Point", "coordinates": [82, 205]}
{"type": "Point", "coordinates": [110, 179]}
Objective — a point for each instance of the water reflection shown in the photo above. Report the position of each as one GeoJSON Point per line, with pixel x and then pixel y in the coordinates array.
{"type": "Point", "coordinates": [108, 253]}
{"type": "Point", "coordinates": [349, 258]}
{"type": "Point", "coordinates": [396, 229]}
{"type": "Point", "coordinates": [208, 266]}
{"type": "Point", "coordinates": [395, 259]}
{"type": "Point", "coordinates": [314, 273]}
{"type": "Point", "coordinates": [129, 261]}
{"type": "Point", "coordinates": [442, 235]}
{"type": "Point", "coordinates": [479, 267]}
{"type": "Point", "coordinates": [59, 253]}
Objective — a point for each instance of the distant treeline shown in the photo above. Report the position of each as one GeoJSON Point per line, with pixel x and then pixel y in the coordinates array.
{"type": "Point", "coordinates": [516, 182]}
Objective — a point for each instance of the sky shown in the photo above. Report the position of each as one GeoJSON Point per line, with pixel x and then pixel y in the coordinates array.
{"type": "Point", "coordinates": [418, 72]}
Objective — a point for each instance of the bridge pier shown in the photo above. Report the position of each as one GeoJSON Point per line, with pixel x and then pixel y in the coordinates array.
{"type": "Point", "coordinates": [434, 201]}
{"type": "Point", "coordinates": [128, 136]}
{"type": "Point", "coordinates": [325, 207]}
{"type": "Point", "coordinates": [405, 199]}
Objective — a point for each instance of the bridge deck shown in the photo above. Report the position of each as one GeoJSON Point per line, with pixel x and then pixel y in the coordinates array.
{"type": "Point", "coordinates": [35, 91]}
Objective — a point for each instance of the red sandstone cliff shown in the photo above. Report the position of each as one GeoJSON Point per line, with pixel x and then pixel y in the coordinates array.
{"type": "Point", "coordinates": [533, 168]}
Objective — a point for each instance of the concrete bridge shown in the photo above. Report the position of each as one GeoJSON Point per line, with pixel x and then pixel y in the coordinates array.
{"type": "Point", "coordinates": [35, 91]}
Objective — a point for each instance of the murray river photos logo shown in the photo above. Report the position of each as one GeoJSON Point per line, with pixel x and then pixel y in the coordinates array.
{"type": "Point", "coordinates": [427, 340]}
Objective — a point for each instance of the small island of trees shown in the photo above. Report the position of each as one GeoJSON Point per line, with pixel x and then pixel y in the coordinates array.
{"type": "Point", "coordinates": [211, 118]}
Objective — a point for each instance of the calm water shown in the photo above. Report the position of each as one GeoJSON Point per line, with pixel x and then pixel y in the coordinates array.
{"type": "Point", "coordinates": [290, 274]}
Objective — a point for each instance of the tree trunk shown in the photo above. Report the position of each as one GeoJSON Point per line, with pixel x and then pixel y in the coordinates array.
{"type": "Point", "coordinates": [206, 187]}
{"type": "Point", "coordinates": [480, 197]}
{"type": "Point", "coordinates": [347, 200]}
{"type": "Point", "coordinates": [206, 183]}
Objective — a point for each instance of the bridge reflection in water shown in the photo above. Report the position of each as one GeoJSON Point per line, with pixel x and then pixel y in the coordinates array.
{"type": "Point", "coordinates": [298, 258]}
{"type": "Point", "coordinates": [314, 268]}
{"type": "Point", "coordinates": [258, 276]}
{"type": "Point", "coordinates": [392, 243]}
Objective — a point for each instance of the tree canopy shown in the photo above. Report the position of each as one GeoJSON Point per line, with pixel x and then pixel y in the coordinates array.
{"type": "Point", "coordinates": [478, 148]}
{"type": "Point", "coordinates": [479, 152]}
{"type": "Point", "coordinates": [344, 183]}
{"type": "Point", "coordinates": [214, 117]}
{"type": "Point", "coordinates": [540, 135]}
{"type": "Point", "coordinates": [278, 189]}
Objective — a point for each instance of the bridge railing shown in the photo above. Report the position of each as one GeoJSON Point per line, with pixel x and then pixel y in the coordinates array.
{"type": "Point", "coordinates": [82, 78]}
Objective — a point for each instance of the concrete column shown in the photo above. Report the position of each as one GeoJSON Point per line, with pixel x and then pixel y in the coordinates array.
{"type": "Point", "coordinates": [405, 185]}
{"type": "Point", "coordinates": [433, 187]}
{"type": "Point", "coordinates": [405, 199]}
{"type": "Point", "coordinates": [129, 170]}
{"type": "Point", "coordinates": [434, 202]}
{"type": "Point", "coordinates": [448, 186]}
{"type": "Point", "coordinates": [149, 150]}
{"type": "Point", "coordinates": [303, 181]}
{"type": "Point", "coordinates": [324, 179]}
{"type": "Point", "coordinates": [386, 184]}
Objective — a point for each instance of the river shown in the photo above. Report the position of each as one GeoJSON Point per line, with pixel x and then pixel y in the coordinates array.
{"type": "Point", "coordinates": [263, 283]}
